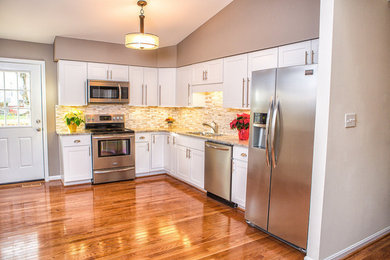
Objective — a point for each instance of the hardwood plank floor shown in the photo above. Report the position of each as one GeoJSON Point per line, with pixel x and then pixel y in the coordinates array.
{"type": "Point", "coordinates": [149, 218]}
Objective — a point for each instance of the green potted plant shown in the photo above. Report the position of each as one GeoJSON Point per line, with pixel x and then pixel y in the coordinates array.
{"type": "Point", "coordinates": [73, 120]}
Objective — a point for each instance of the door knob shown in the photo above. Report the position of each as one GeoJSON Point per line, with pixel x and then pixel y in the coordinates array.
{"type": "Point", "coordinates": [38, 129]}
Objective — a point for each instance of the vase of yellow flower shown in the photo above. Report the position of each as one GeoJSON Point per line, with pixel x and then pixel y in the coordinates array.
{"type": "Point", "coordinates": [170, 121]}
{"type": "Point", "coordinates": [73, 120]}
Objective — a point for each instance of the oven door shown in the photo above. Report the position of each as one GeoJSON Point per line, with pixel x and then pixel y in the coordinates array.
{"type": "Point", "coordinates": [113, 151]}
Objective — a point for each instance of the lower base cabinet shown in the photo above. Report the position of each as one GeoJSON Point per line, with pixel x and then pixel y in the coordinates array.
{"type": "Point", "coordinates": [190, 165]}
{"type": "Point", "coordinates": [75, 157]}
{"type": "Point", "coordinates": [142, 157]}
{"type": "Point", "coordinates": [239, 175]}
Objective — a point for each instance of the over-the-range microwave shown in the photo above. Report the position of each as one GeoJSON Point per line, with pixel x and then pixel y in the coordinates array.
{"type": "Point", "coordinates": [103, 91]}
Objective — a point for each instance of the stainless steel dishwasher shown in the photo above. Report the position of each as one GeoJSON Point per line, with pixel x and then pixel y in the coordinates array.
{"type": "Point", "coordinates": [218, 171]}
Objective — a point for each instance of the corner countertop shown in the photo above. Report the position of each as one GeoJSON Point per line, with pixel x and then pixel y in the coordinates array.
{"type": "Point", "coordinates": [223, 139]}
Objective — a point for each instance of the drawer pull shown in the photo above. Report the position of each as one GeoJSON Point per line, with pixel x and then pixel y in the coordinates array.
{"type": "Point", "coordinates": [244, 155]}
{"type": "Point", "coordinates": [142, 137]}
{"type": "Point", "coordinates": [76, 141]}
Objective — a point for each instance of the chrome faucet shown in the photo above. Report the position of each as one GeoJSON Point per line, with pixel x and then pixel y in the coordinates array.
{"type": "Point", "coordinates": [213, 126]}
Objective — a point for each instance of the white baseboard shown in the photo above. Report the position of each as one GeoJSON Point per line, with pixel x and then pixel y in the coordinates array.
{"type": "Point", "coordinates": [55, 177]}
{"type": "Point", "coordinates": [357, 245]}
{"type": "Point", "coordinates": [149, 173]}
{"type": "Point", "coordinates": [307, 258]}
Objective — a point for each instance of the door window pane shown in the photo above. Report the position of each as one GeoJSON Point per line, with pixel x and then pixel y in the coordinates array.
{"type": "Point", "coordinates": [24, 117]}
{"type": "Point", "coordinates": [10, 80]}
{"type": "Point", "coordinates": [15, 98]}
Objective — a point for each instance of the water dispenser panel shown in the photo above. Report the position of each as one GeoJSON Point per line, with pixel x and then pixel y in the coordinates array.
{"type": "Point", "coordinates": [260, 118]}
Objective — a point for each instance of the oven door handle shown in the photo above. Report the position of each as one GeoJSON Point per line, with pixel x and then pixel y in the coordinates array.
{"type": "Point", "coordinates": [116, 170]}
{"type": "Point", "coordinates": [113, 137]}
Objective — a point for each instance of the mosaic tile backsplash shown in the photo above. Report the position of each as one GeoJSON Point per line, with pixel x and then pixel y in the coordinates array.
{"type": "Point", "coordinates": [154, 117]}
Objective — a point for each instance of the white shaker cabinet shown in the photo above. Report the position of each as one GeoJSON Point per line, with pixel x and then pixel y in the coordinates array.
{"type": "Point", "coordinates": [150, 86]}
{"type": "Point", "coordinates": [170, 154]}
{"type": "Point", "coordinates": [136, 79]}
{"type": "Point", "coordinates": [183, 86]}
{"type": "Point", "coordinates": [72, 80]}
{"type": "Point", "coordinates": [301, 53]}
{"type": "Point", "coordinates": [158, 143]}
{"type": "Point", "coordinates": [102, 71]}
{"type": "Point", "coordinates": [75, 157]}
{"type": "Point", "coordinates": [196, 158]}
{"type": "Point", "coordinates": [210, 72]}
{"type": "Point", "coordinates": [167, 87]}
{"type": "Point", "coordinates": [234, 81]}
{"type": "Point", "coordinates": [239, 175]}
{"type": "Point", "coordinates": [142, 153]}
{"type": "Point", "coordinates": [182, 163]}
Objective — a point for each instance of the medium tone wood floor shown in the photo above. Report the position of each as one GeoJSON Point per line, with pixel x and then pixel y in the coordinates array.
{"type": "Point", "coordinates": [149, 218]}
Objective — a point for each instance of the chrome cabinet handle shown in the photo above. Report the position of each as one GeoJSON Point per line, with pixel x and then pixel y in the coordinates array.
{"type": "Point", "coordinates": [267, 129]}
{"type": "Point", "coordinates": [247, 92]}
{"type": "Point", "coordinates": [148, 147]}
{"type": "Point", "coordinates": [206, 74]}
{"type": "Point", "coordinates": [306, 57]}
{"type": "Point", "coordinates": [312, 57]}
{"type": "Point", "coordinates": [189, 154]}
{"type": "Point", "coordinates": [111, 74]}
{"type": "Point", "coordinates": [167, 139]}
{"type": "Point", "coordinates": [142, 94]}
{"type": "Point", "coordinates": [244, 155]}
{"type": "Point", "coordinates": [76, 141]}
{"type": "Point", "coordinates": [146, 94]}
{"type": "Point", "coordinates": [154, 139]}
{"type": "Point", "coordinates": [273, 149]}
{"type": "Point", "coordinates": [89, 151]}
{"type": "Point", "coordinates": [203, 75]}
{"type": "Point", "coordinates": [174, 140]}
{"type": "Point", "coordinates": [243, 92]}
{"type": "Point", "coordinates": [107, 75]}
{"type": "Point", "coordinates": [159, 94]}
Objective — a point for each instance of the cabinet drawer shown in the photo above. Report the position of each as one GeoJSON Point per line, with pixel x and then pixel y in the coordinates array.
{"type": "Point", "coordinates": [142, 137]}
{"type": "Point", "coordinates": [240, 153]}
{"type": "Point", "coordinates": [190, 142]}
{"type": "Point", "coordinates": [76, 140]}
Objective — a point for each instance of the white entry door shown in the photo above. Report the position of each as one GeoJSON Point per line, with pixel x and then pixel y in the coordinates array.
{"type": "Point", "coordinates": [21, 141]}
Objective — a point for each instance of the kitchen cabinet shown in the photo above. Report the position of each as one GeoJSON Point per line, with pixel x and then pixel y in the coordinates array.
{"type": "Point", "coordinates": [142, 153]}
{"type": "Point", "coordinates": [239, 175]}
{"type": "Point", "coordinates": [167, 87]}
{"type": "Point", "coordinates": [71, 81]}
{"type": "Point", "coordinates": [182, 163]}
{"type": "Point", "coordinates": [234, 81]}
{"type": "Point", "coordinates": [75, 158]}
{"type": "Point", "coordinates": [183, 86]}
{"type": "Point", "coordinates": [170, 154]}
{"type": "Point", "coordinates": [150, 86]}
{"type": "Point", "coordinates": [210, 72]}
{"type": "Point", "coordinates": [102, 71]}
{"type": "Point", "coordinates": [238, 75]}
{"type": "Point", "coordinates": [143, 86]}
{"type": "Point", "coordinates": [196, 167]}
{"type": "Point", "coordinates": [157, 160]}
{"type": "Point", "coordinates": [301, 53]}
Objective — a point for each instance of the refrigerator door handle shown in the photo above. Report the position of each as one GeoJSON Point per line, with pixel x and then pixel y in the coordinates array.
{"type": "Point", "coordinates": [273, 128]}
{"type": "Point", "coordinates": [270, 108]}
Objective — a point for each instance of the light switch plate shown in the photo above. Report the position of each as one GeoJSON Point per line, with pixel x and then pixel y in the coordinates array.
{"type": "Point", "coordinates": [350, 120]}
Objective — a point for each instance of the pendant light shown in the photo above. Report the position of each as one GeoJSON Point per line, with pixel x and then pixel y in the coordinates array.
{"type": "Point", "coordinates": [141, 40]}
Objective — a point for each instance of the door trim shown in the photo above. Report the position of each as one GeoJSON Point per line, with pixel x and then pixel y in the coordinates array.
{"type": "Point", "coordinates": [41, 63]}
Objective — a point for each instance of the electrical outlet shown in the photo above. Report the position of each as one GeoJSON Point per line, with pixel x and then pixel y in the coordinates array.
{"type": "Point", "coordinates": [350, 120]}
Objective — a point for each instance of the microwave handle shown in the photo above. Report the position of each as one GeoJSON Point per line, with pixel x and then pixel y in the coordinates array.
{"type": "Point", "coordinates": [120, 92]}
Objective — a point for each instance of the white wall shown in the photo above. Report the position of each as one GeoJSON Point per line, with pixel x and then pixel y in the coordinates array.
{"type": "Point", "coordinates": [356, 183]}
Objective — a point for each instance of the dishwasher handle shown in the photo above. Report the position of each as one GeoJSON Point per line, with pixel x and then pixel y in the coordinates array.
{"type": "Point", "coordinates": [216, 147]}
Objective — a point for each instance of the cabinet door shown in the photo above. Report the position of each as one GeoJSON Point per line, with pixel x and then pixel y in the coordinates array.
{"type": "Point", "coordinates": [259, 60]}
{"type": "Point", "coordinates": [158, 142]}
{"type": "Point", "coordinates": [295, 54]}
{"type": "Point", "coordinates": [214, 71]}
{"type": "Point", "coordinates": [72, 78]}
{"type": "Point", "coordinates": [198, 74]}
{"type": "Point", "coordinates": [182, 163]}
{"type": "Point", "coordinates": [136, 79]}
{"type": "Point", "coordinates": [150, 86]}
{"type": "Point", "coordinates": [235, 75]}
{"type": "Point", "coordinates": [239, 177]}
{"type": "Point", "coordinates": [314, 51]}
{"type": "Point", "coordinates": [77, 163]}
{"type": "Point", "coordinates": [197, 168]}
{"type": "Point", "coordinates": [98, 71]}
{"type": "Point", "coordinates": [172, 154]}
{"type": "Point", "coordinates": [142, 157]}
{"type": "Point", "coordinates": [167, 152]}
{"type": "Point", "coordinates": [167, 87]}
{"type": "Point", "coordinates": [118, 72]}
{"type": "Point", "coordinates": [183, 87]}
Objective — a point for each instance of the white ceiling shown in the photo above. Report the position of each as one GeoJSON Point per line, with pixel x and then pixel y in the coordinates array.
{"type": "Point", "coordinates": [103, 20]}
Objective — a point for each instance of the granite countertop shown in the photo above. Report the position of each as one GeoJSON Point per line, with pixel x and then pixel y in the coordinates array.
{"type": "Point", "coordinates": [223, 139]}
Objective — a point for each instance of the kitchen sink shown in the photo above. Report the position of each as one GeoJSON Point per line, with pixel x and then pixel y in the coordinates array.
{"type": "Point", "coordinates": [204, 133]}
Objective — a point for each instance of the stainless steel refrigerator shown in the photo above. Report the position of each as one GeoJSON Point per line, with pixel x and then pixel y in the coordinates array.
{"type": "Point", "coordinates": [280, 156]}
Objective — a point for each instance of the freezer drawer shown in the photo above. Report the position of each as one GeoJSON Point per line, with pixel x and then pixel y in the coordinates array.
{"type": "Point", "coordinates": [218, 169]}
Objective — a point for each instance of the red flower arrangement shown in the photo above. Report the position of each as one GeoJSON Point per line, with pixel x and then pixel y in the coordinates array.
{"type": "Point", "coordinates": [241, 123]}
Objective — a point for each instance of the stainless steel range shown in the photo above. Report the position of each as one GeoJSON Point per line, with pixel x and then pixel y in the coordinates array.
{"type": "Point", "coordinates": [113, 148]}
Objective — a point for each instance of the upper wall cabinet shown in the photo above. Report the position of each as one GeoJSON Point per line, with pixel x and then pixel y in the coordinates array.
{"type": "Point", "coordinates": [101, 71]}
{"type": "Point", "coordinates": [210, 72]}
{"type": "Point", "coordinates": [151, 89]}
{"type": "Point", "coordinates": [167, 87]}
{"type": "Point", "coordinates": [183, 86]}
{"type": "Point", "coordinates": [302, 53]}
{"type": "Point", "coordinates": [72, 78]}
{"type": "Point", "coordinates": [143, 86]}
